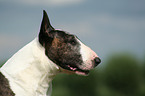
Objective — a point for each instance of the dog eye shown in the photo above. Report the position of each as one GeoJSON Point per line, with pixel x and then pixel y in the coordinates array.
{"type": "Point", "coordinates": [73, 42]}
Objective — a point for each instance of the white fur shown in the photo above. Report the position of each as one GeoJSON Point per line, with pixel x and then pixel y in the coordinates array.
{"type": "Point", "coordinates": [29, 71]}
{"type": "Point", "coordinates": [88, 56]}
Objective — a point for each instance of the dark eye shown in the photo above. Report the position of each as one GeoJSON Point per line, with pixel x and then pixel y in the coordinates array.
{"type": "Point", "coordinates": [73, 42]}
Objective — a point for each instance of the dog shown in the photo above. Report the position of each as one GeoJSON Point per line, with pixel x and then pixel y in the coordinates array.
{"type": "Point", "coordinates": [29, 72]}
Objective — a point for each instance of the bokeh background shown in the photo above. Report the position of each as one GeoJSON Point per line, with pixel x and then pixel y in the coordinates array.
{"type": "Point", "coordinates": [114, 29]}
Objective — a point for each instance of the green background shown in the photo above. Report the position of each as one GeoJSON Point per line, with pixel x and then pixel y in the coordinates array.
{"type": "Point", "coordinates": [120, 75]}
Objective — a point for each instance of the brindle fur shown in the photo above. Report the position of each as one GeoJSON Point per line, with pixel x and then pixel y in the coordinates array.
{"type": "Point", "coordinates": [4, 87]}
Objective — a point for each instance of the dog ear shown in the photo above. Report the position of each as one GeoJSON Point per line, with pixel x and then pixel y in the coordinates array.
{"type": "Point", "coordinates": [45, 25]}
{"type": "Point", "coordinates": [45, 29]}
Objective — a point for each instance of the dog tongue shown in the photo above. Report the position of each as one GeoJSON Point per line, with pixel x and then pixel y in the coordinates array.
{"type": "Point", "coordinates": [81, 73]}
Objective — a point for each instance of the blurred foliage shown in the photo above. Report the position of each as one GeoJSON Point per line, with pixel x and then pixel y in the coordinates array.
{"type": "Point", "coordinates": [121, 75]}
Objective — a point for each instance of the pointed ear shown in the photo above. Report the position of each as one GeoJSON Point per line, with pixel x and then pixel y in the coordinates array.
{"type": "Point", "coordinates": [45, 25]}
{"type": "Point", "coordinates": [45, 29]}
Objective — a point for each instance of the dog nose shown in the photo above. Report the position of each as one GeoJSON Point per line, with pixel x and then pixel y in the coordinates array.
{"type": "Point", "coordinates": [97, 61]}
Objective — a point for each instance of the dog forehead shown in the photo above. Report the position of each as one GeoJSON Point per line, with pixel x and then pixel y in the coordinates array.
{"type": "Point", "coordinates": [62, 35]}
{"type": "Point", "coordinates": [61, 39]}
{"type": "Point", "coordinates": [59, 33]}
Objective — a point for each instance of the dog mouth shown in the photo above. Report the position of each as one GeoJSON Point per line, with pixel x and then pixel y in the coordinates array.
{"type": "Point", "coordinates": [77, 70]}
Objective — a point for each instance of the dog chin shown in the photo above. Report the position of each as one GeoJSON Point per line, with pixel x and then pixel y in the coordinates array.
{"type": "Point", "coordinates": [82, 73]}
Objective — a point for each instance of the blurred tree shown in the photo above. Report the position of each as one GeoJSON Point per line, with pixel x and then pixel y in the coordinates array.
{"type": "Point", "coordinates": [75, 85]}
{"type": "Point", "coordinates": [122, 74]}
{"type": "Point", "coordinates": [143, 68]}
{"type": "Point", "coordinates": [143, 79]}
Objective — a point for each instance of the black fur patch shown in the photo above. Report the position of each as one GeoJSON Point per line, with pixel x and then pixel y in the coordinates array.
{"type": "Point", "coordinates": [4, 87]}
{"type": "Point", "coordinates": [64, 50]}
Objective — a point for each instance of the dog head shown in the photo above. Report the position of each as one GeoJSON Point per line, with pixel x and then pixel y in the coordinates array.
{"type": "Point", "coordinates": [66, 50]}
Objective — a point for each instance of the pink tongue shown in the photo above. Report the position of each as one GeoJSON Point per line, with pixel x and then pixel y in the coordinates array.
{"type": "Point", "coordinates": [80, 73]}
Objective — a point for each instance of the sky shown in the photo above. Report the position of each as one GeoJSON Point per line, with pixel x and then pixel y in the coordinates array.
{"type": "Point", "coordinates": [107, 26]}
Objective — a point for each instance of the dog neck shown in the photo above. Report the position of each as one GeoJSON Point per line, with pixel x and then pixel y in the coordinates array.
{"type": "Point", "coordinates": [29, 71]}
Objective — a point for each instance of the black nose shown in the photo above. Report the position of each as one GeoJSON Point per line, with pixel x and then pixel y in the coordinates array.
{"type": "Point", "coordinates": [97, 61]}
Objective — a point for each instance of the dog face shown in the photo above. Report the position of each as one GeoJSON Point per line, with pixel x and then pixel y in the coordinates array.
{"type": "Point", "coordinates": [66, 50]}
